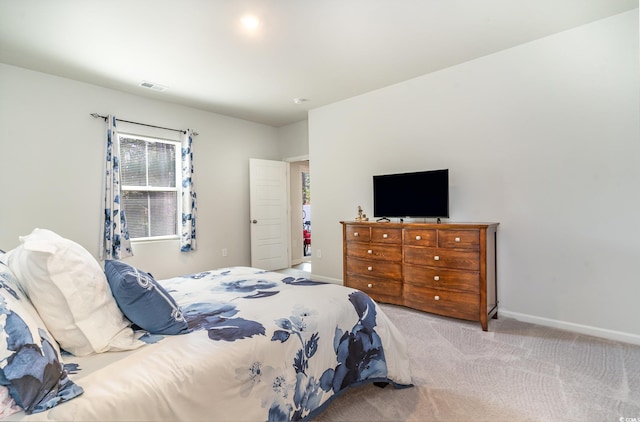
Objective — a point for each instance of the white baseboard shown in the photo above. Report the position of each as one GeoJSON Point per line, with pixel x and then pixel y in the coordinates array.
{"type": "Point", "coordinates": [547, 322]}
{"type": "Point", "coordinates": [326, 279]}
{"type": "Point", "coordinates": [570, 326]}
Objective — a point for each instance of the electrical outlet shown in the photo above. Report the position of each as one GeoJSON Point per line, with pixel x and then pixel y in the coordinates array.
{"type": "Point", "coordinates": [224, 251]}
{"type": "Point", "coordinates": [319, 253]}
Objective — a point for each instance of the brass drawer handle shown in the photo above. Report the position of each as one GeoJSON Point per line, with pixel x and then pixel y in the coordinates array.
{"type": "Point", "coordinates": [436, 297]}
{"type": "Point", "coordinates": [457, 239]}
{"type": "Point", "coordinates": [370, 268]}
{"type": "Point", "coordinates": [369, 251]}
{"type": "Point", "coordinates": [369, 285]}
{"type": "Point", "coordinates": [436, 278]}
{"type": "Point", "coordinates": [437, 258]}
{"type": "Point", "coordinates": [418, 237]}
{"type": "Point", "coordinates": [355, 234]}
{"type": "Point", "coordinates": [384, 236]}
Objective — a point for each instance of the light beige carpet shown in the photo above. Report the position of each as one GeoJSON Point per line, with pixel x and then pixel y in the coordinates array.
{"type": "Point", "coordinates": [515, 372]}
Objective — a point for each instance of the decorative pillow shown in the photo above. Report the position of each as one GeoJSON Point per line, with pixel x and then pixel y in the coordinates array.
{"type": "Point", "coordinates": [145, 302]}
{"type": "Point", "coordinates": [30, 366]}
{"type": "Point", "coordinates": [68, 288]}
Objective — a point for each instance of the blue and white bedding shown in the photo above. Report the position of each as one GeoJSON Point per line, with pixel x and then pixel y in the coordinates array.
{"type": "Point", "coordinates": [263, 346]}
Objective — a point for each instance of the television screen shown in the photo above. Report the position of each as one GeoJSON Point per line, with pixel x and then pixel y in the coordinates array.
{"type": "Point", "coordinates": [417, 194]}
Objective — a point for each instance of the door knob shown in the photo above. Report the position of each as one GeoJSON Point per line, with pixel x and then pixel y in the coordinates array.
{"type": "Point", "coordinates": [254, 221]}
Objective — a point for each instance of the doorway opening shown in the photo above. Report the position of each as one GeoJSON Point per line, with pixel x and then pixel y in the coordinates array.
{"type": "Point", "coordinates": [301, 222]}
{"type": "Point", "coordinates": [306, 214]}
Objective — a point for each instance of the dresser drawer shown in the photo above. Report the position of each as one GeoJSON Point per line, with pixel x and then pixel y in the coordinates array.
{"type": "Point", "coordinates": [440, 278]}
{"type": "Point", "coordinates": [378, 251]}
{"type": "Point", "coordinates": [459, 239]}
{"type": "Point", "coordinates": [375, 286]}
{"type": "Point", "coordinates": [443, 302]}
{"type": "Point", "coordinates": [358, 233]}
{"type": "Point", "coordinates": [375, 268]}
{"type": "Point", "coordinates": [446, 258]}
{"type": "Point", "coordinates": [386, 235]}
{"type": "Point", "coordinates": [420, 237]}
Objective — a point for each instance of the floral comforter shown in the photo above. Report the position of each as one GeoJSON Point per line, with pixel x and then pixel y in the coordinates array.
{"type": "Point", "coordinates": [264, 346]}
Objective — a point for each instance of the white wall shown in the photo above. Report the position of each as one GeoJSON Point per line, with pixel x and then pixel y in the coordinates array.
{"type": "Point", "coordinates": [51, 154]}
{"type": "Point", "coordinates": [543, 138]}
{"type": "Point", "coordinates": [294, 140]}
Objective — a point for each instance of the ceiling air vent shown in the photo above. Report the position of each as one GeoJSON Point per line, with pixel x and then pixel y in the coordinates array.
{"type": "Point", "coordinates": [152, 86]}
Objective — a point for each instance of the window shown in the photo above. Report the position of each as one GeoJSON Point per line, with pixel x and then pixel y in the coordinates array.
{"type": "Point", "coordinates": [149, 177]}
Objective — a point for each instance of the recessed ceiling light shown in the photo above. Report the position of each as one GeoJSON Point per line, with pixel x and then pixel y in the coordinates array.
{"type": "Point", "coordinates": [250, 22]}
{"type": "Point", "coordinates": [299, 100]}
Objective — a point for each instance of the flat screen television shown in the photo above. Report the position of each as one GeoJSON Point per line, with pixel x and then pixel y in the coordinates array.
{"type": "Point", "coordinates": [423, 194]}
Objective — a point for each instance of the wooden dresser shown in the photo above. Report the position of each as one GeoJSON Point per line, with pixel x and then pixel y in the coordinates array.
{"type": "Point", "coordinates": [447, 269]}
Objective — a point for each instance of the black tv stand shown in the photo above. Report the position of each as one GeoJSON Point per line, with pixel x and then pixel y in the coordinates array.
{"type": "Point", "coordinates": [383, 219]}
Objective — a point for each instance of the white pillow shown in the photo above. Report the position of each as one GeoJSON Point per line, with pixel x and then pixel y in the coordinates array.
{"type": "Point", "coordinates": [69, 290]}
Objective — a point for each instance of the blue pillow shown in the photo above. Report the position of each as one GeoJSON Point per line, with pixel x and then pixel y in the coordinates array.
{"type": "Point", "coordinates": [143, 301]}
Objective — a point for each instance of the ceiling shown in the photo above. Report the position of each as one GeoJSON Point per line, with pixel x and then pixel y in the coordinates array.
{"type": "Point", "coordinates": [323, 50]}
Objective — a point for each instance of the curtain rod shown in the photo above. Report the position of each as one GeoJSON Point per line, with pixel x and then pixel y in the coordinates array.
{"type": "Point", "coordinates": [96, 115]}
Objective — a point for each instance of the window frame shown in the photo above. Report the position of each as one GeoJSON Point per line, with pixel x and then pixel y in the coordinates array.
{"type": "Point", "coordinates": [178, 183]}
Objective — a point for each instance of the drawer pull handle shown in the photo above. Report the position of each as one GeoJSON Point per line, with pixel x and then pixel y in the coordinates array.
{"type": "Point", "coordinates": [436, 297]}
{"type": "Point", "coordinates": [457, 239]}
{"type": "Point", "coordinates": [370, 268]}
{"type": "Point", "coordinates": [418, 237]}
{"type": "Point", "coordinates": [436, 278]}
{"type": "Point", "coordinates": [437, 258]}
{"type": "Point", "coordinates": [355, 234]}
{"type": "Point", "coordinates": [369, 285]}
{"type": "Point", "coordinates": [369, 251]}
{"type": "Point", "coordinates": [384, 236]}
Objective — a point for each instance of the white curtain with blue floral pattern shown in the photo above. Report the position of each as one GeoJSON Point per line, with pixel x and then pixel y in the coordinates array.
{"type": "Point", "coordinates": [116, 243]}
{"type": "Point", "coordinates": [189, 203]}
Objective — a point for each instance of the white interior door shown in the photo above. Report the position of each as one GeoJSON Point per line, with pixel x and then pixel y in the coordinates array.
{"type": "Point", "coordinates": [269, 209]}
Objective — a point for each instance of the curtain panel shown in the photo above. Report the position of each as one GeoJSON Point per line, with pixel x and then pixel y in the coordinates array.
{"type": "Point", "coordinates": [189, 203]}
{"type": "Point", "coordinates": [116, 243]}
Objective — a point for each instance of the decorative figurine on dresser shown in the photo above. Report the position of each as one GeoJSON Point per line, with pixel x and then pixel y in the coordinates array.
{"type": "Point", "coordinates": [361, 215]}
{"type": "Point", "coordinates": [445, 268]}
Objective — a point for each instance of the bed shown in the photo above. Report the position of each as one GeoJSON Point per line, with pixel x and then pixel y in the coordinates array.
{"type": "Point", "coordinates": [234, 343]}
